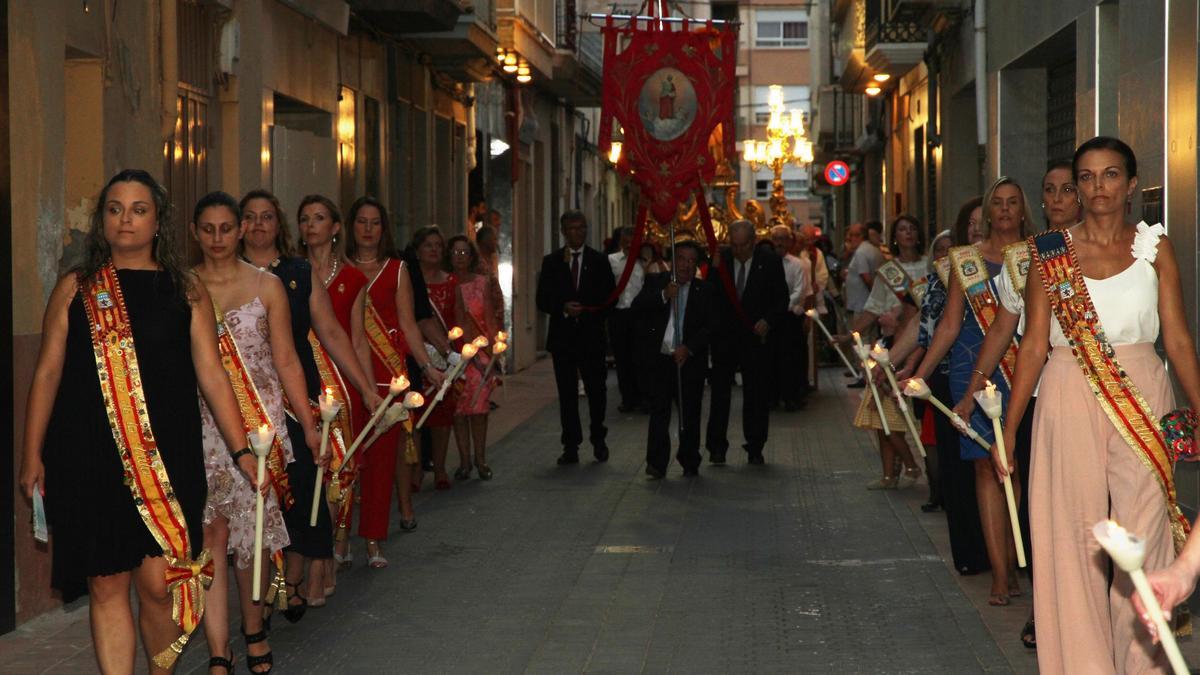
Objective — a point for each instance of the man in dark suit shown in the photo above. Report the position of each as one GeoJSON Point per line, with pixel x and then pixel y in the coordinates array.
{"type": "Point", "coordinates": [676, 355]}
{"type": "Point", "coordinates": [573, 278]}
{"type": "Point", "coordinates": [739, 339]}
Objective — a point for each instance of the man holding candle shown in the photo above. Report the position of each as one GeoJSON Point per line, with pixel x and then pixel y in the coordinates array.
{"type": "Point", "coordinates": [745, 315]}
{"type": "Point", "coordinates": [678, 315]}
{"type": "Point", "coordinates": [574, 282]}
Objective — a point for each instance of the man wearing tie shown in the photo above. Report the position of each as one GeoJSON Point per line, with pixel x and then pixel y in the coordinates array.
{"type": "Point", "coordinates": [740, 339]}
{"type": "Point", "coordinates": [677, 317]}
{"type": "Point", "coordinates": [573, 278]}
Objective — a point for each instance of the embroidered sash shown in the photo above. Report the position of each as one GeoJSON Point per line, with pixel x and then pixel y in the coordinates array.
{"type": "Point", "coordinates": [1118, 396]}
{"type": "Point", "coordinates": [339, 491]}
{"type": "Point", "coordinates": [145, 474]}
{"type": "Point", "coordinates": [1017, 258]}
{"type": "Point", "coordinates": [254, 413]}
{"type": "Point", "coordinates": [901, 283]}
{"type": "Point", "coordinates": [971, 271]}
{"type": "Point", "coordinates": [381, 344]}
{"type": "Point", "coordinates": [942, 267]}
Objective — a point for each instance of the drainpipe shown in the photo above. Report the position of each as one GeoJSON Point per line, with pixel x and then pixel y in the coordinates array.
{"type": "Point", "coordinates": [981, 93]}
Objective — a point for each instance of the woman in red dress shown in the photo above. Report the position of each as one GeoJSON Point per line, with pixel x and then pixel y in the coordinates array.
{"type": "Point", "coordinates": [443, 295]}
{"type": "Point", "coordinates": [323, 239]}
{"type": "Point", "coordinates": [389, 305]}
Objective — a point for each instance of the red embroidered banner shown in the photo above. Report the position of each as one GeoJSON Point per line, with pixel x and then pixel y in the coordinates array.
{"type": "Point", "coordinates": [669, 86]}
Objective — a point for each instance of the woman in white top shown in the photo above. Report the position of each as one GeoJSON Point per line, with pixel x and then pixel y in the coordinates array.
{"type": "Point", "coordinates": [1111, 283]}
{"type": "Point", "coordinates": [892, 310]}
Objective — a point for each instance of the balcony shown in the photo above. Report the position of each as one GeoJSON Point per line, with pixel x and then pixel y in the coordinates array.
{"type": "Point", "coordinates": [409, 16]}
{"type": "Point", "coordinates": [466, 50]}
{"type": "Point", "coordinates": [896, 36]}
{"type": "Point", "coordinates": [578, 58]}
{"type": "Point", "coordinates": [837, 123]}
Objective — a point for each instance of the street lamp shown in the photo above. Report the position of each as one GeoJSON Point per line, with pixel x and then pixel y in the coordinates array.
{"type": "Point", "coordinates": [786, 143]}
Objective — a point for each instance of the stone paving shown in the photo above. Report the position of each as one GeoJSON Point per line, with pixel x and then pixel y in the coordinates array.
{"type": "Point", "coordinates": [792, 567]}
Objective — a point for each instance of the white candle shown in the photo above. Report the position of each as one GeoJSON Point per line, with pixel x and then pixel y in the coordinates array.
{"type": "Point", "coordinates": [812, 314]}
{"type": "Point", "coordinates": [260, 441]}
{"type": "Point", "coordinates": [468, 352]}
{"type": "Point", "coordinates": [395, 388]}
{"type": "Point", "coordinates": [498, 348]}
{"type": "Point", "coordinates": [1128, 551]}
{"type": "Point", "coordinates": [992, 406]}
{"type": "Point", "coordinates": [329, 410]}
{"type": "Point", "coordinates": [884, 359]}
{"type": "Point", "coordinates": [864, 355]}
{"type": "Point", "coordinates": [917, 388]}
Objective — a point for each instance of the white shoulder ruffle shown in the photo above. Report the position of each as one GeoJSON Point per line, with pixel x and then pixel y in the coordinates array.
{"type": "Point", "coordinates": [1145, 242]}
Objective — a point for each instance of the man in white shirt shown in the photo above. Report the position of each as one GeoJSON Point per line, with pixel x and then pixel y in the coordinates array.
{"type": "Point", "coordinates": [788, 343]}
{"type": "Point", "coordinates": [620, 324]}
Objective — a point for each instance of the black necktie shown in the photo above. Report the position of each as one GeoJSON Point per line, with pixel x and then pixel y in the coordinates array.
{"type": "Point", "coordinates": [575, 270]}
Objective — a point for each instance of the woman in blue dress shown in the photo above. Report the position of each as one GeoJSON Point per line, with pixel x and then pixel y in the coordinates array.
{"type": "Point", "coordinates": [971, 304]}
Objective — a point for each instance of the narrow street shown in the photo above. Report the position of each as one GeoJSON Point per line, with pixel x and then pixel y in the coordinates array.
{"type": "Point", "coordinates": [791, 567]}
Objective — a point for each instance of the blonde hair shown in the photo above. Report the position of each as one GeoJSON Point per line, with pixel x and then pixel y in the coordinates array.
{"type": "Point", "coordinates": [985, 227]}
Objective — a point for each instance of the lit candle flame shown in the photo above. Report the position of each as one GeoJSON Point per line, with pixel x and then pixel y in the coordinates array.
{"type": "Point", "coordinates": [501, 337]}
{"type": "Point", "coordinates": [413, 399]}
{"type": "Point", "coordinates": [480, 342]}
{"type": "Point", "coordinates": [990, 390]}
{"type": "Point", "coordinates": [468, 350]}
{"type": "Point", "coordinates": [397, 385]}
{"type": "Point", "coordinates": [499, 347]}
{"type": "Point", "coordinates": [455, 333]}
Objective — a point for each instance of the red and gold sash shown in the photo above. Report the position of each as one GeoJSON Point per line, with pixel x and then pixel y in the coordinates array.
{"type": "Point", "coordinates": [338, 492]}
{"type": "Point", "coordinates": [381, 343]}
{"type": "Point", "coordinates": [971, 271]}
{"type": "Point", "coordinates": [1118, 396]}
{"type": "Point", "coordinates": [254, 413]}
{"type": "Point", "coordinates": [125, 401]}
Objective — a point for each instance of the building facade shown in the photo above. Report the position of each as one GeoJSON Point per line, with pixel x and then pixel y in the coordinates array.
{"type": "Point", "coordinates": [405, 101]}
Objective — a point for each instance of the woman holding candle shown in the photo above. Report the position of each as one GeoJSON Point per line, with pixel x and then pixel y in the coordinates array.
{"type": "Point", "coordinates": [132, 276]}
{"type": "Point", "coordinates": [392, 333]}
{"type": "Point", "coordinates": [324, 240]}
{"type": "Point", "coordinates": [896, 294]}
{"type": "Point", "coordinates": [266, 244]}
{"type": "Point", "coordinates": [256, 313]}
{"type": "Point", "coordinates": [1060, 204]}
{"type": "Point", "coordinates": [478, 318]}
{"type": "Point", "coordinates": [970, 312]}
{"type": "Point", "coordinates": [442, 286]}
{"type": "Point", "coordinates": [956, 475]}
{"type": "Point", "coordinates": [1113, 288]}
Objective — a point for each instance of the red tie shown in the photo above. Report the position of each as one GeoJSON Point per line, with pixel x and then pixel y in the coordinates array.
{"type": "Point", "coordinates": [575, 270]}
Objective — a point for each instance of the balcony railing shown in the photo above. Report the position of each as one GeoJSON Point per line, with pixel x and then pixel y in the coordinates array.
{"type": "Point", "coordinates": [885, 26]}
{"type": "Point", "coordinates": [566, 24]}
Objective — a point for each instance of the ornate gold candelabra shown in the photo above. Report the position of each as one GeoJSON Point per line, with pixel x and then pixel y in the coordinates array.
{"type": "Point", "coordinates": [786, 143]}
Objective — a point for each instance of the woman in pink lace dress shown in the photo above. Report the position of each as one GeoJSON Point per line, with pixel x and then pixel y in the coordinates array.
{"type": "Point", "coordinates": [478, 316]}
{"type": "Point", "coordinates": [255, 311]}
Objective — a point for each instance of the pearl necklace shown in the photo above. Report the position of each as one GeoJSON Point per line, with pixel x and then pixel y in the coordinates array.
{"type": "Point", "coordinates": [360, 261]}
{"type": "Point", "coordinates": [333, 271]}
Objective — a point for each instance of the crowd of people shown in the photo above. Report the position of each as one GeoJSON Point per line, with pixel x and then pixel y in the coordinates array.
{"type": "Point", "coordinates": [141, 452]}
{"type": "Point", "coordinates": [145, 472]}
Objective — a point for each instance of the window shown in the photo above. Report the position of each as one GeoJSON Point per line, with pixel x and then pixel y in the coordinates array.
{"type": "Point", "coordinates": [725, 11]}
{"type": "Point", "coordinates": [793, 188]}
{"type": "Point", "coordinates": [781, 28]}
{"type": "Point", "coordinates": [793, 97]}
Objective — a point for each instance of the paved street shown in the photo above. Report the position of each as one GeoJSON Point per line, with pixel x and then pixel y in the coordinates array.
{"type": "Point", "coordinates": [791, 567]}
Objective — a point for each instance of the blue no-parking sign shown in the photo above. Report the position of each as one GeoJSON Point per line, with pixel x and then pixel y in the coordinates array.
{"type": "Point", "coordinates": [837, 173]}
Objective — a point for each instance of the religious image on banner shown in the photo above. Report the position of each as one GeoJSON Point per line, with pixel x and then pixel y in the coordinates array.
{"type": "Point", "coordinates": [668, 85]}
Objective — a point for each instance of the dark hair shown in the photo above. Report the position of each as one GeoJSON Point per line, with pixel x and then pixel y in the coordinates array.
{"type": "Point", "coordinates": [165, 247]}
{"type": "Point", "coordinates": [963, 222]}
{"type": "Point", "coordinates": [572, 216]}
{"type": "Point", "coordinates": [424, 233]}
{"type": "Point", "coordinates": [283, 236]}
{"type": "Point", "coordinates": [1059, 164]}
{"type": "Point", "coordinates": [485, 230]}
{"type": "Point", "coordinates": [875, 225]}
{"type": "Point", "coordinates": [893, 246]}
{"type": "Point", "coordinates": [701, 255]}
{"type": "Point", "coordinates": [334, 214]}
{"type": "Point", "coordinates": [474, 264]}
{"type": "Point", "coordinates": [387, 243]}
{"type": "Point", "coordinates": [1105, 143]}
{"type": "Point", "coordinates": [217, 199]}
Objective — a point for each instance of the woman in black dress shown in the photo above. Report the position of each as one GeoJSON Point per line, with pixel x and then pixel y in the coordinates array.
{"type": "Point", "coordinates": [103, 541]}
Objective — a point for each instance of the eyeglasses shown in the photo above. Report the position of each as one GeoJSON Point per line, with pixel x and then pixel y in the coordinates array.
{"type": "Point", "coordinates": [460, 252]}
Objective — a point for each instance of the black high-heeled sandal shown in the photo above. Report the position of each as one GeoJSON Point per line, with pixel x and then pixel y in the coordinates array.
{"type": "Point", "coordinates": [220, 662]}
{"type": "Point", "coordinates": [253, 662]}
{"type": "Point", "coordinates": [294, 613]}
